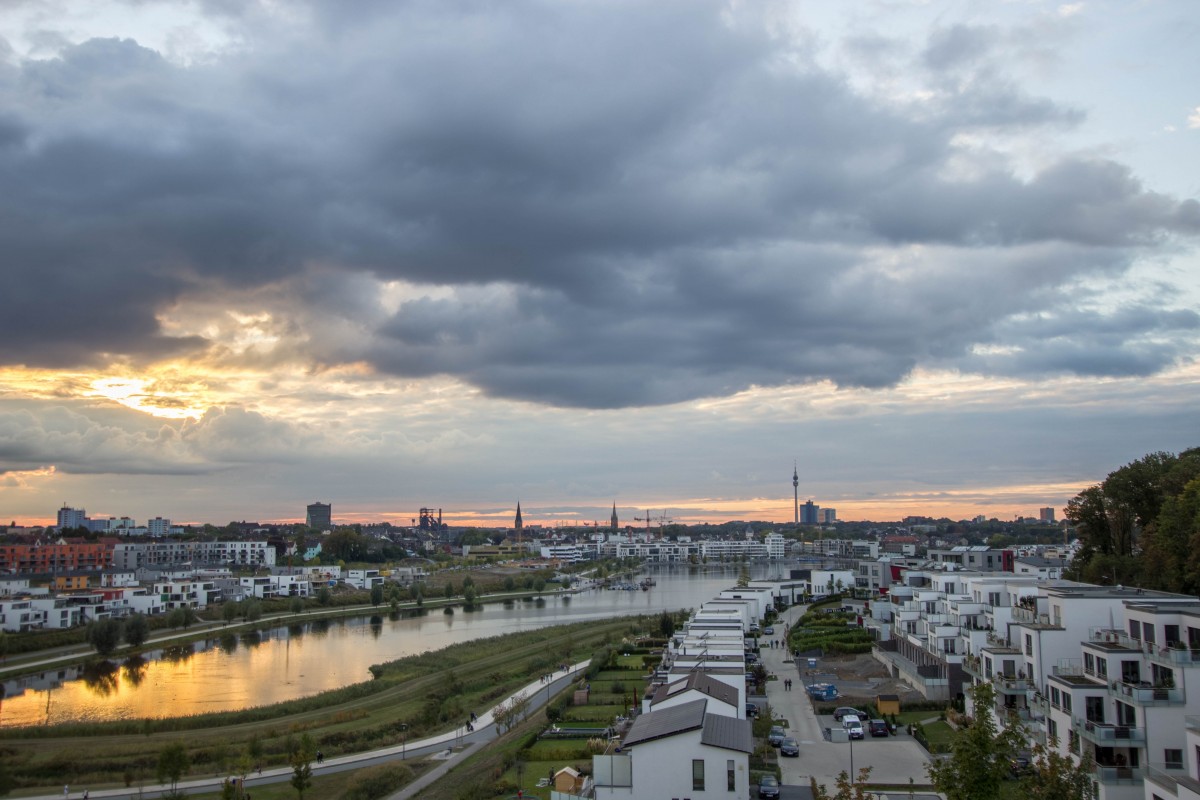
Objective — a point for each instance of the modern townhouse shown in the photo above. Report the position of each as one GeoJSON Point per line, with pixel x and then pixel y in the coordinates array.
{"type": "Point", "coordinates": [681, 751]}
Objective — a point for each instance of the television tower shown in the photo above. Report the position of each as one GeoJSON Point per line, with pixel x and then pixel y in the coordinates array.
{"type": "Point", "coordinates": [796, 493]}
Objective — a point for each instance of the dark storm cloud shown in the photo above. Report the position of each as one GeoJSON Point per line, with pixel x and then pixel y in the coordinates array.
{"type": "Point", "coordinates": [631, 204]}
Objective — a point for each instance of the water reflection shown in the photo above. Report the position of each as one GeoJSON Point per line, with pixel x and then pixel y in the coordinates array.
{"type": "Point", "coordinates": [100, 677]}
{"type": "Point", "coordinates": [306, 658]}
{"type": "Point", "coordinates": [179, 653]}
{"type": "Point", "coordinates": [252, 639]}
{"type": "Point", "coordinates": [134, 671]}
{"type": "Point", "coordinates": [228, 642]}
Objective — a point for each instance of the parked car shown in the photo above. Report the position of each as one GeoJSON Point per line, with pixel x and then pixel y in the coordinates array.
{"type": "Point", "coordinates": [776, 736]}
{"type": "Point", "coordinates": [842, 711]}
{"type": "Point", "coordinates": [789, 747]}
{"type": "Point", "coordinates": [768, 786]}
{"type": "Point", "coordinates": [768, 631]}
{"type": "Point", "coordinates": [822, 691]}
{"type": "Point", "coordinates": [878, 727]}
{"type": "Point", "coordinates": [1020, 765]}
{"type": "Point", "coordinates": [751, 710]}
{"type": "Point", "coordinates": [853, 726]}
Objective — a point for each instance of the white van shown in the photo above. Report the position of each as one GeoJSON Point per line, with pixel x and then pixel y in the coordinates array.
{"type": "Point", "coordinates": [853, 726]}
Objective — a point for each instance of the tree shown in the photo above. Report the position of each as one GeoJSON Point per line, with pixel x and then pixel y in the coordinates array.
{"type": "Point", "coordinates": [136, 630]}
{"type": "Point", "coordinates": [509, 584]}
{"type": "Point", "coordinates": [846, 790]}
{"type": "Point", "coordinates": [173, 764]}
{"type": "Point", "coordinates": [297, 605]}
{"type": "Point", "coordinates": [980, 758]}
{"type": "Point", "coordinates": [469, 596]}
{"type": "Point", "coordinates": [449, 589]}
{"type": "Point", "coordinates": [376, 594]}
{"type": "Point", "coordinates": [104, 635]}
{"type": "Point", "coordinates": [666, 624]}
{"type": "Point", "coordinates": [229, 612]}
{"type": "Point", "coordinates": [324, 596]}
{"type": "Point", "coordinates": [252, 611]}
{"type": "Point", "coordinates": [1056, 777]}
{"type": "Point", "coordinates": [418, 593]}
{"type": "Point", "coordinates": [743, 579]}
{"type": "Point", "coordinates": [301, 760]}
{"type": "Point", "coordinates": [539, 584]}
{"type": "Point", "coordinates": [181, 617]}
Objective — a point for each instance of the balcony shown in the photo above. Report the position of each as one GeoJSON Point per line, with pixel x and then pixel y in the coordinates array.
{"type": "Point", "coordinates": [1144, 694]}
{"type": "Point", "coordinates": [1110, 735]}
{"type": "Point", "coordinates": [1007, 684]}
{"type": "Point", "coordinates": [1119, 775]}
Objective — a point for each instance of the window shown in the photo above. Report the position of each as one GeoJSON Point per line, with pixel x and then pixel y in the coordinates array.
{"type": "Point", "coordinates": [1173, 758]}
{"type": "Point", "coordinates": [1135, 629]}
{"type": "Point", "coordinates": [1066, 702]}
{"type": "Point", "coordinates": [1089, 662]}
{"type": "Point", "coordinates": [1029, 644]}
{"type": "Point", "coordinates": [1170, 635]}
{"type": "Point", "coordinates": [1054, 697]}
{"type": "Point", "coordinates": [698, 774]}
{"type": "Point", "coordinates": [1052, 728]}
{"type": "Point", "coordinates": [731, 783]}
{"type": "Point", "coordinates": [1148, 632]}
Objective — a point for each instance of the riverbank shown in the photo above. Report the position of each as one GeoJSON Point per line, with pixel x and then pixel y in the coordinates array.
{"type": "Point", "coordinates": [41, 660]}
{"type": "Point", "coordinates": [418, 696]}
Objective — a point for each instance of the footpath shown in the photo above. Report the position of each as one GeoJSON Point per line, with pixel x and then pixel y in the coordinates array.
{"type": "Point", "coordinates": [452, 747]}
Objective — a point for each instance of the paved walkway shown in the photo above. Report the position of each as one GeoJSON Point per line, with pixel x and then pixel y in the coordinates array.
{"type": "Point", "coordinates": [892, 759]}
{"type": "Point", "coordinates": [459, 743]}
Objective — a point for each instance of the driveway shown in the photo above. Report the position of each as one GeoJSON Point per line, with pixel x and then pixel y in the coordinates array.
{"type": "Point", "coordinates": [893, 759]}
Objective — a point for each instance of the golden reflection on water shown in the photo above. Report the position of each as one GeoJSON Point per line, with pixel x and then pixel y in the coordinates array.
{"type": "Point", "coordinates": [233, 671]}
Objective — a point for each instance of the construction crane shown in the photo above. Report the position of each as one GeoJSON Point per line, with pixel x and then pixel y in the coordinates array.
{"type": "Point", "coordinates": [646, 519]}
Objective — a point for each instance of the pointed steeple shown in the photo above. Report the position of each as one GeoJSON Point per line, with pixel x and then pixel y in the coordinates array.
{"type": "Point", "coordinates": [614, 517]}
{"type": "Point", "coordinates": [518, 524]}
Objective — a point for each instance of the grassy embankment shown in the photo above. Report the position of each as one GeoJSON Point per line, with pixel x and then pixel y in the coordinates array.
{"type": "Point", "coordinates": [523, 757]}
{"type": "Point", "coordinates": [429, 692]}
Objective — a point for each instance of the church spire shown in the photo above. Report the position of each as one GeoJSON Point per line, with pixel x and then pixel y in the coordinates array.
{"type": "Point", "coordinates": [518, 524]}
{"type": "Point", "coordinates": [614, 517]}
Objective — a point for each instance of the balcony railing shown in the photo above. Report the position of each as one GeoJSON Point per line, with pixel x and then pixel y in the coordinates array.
{"type": "Point", "coordinates": [1146, 695]}
{"type": "Point", "coordinates": [1007, 684]}
{"type": "Point", "coordinates": [1110, 735]}
{"type": "Point", "coordinates": [1174, 654]}
{"type": "Point", "coordinates": [1111, 775]}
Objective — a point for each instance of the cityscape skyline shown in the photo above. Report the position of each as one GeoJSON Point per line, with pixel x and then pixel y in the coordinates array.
{"type": "Point", "coordinates": [942, 255]}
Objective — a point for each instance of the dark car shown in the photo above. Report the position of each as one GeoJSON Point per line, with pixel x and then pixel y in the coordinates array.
{"type": "Point", "coordinates": [789, 747]}
{"type": "Point", "coordinates": [878, 727]}
{"type": "Point", "coordinates": [776, 736]}
{"type": "Point", "coordinates": [751, 710]}
{"type": "Point", "coordinates": [768, 786]}
{"type": "Point", "coordinates": [1020, 766]}
{"type": "Point", "coordinates": [842, 711]}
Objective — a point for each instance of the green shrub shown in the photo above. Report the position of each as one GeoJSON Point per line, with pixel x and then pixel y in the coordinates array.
{"type": "Point", "coordinates": [375, 782]}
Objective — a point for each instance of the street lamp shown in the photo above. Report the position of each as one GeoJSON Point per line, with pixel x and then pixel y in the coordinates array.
{"type": "Point", "coordinates": [403, 728]}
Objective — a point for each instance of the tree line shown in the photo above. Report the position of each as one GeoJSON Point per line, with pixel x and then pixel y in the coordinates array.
{"type": "Point", "coordinates": [1140, 526]}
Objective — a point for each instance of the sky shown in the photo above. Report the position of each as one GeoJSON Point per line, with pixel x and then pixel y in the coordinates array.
{"type": "Point", "coordinates": [939, 257]}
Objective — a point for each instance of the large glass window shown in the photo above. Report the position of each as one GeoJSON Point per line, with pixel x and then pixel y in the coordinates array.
{"type": "Point", "coordinates": [698, 774]}
{"type": "Point", "coordinates": [731, 780]}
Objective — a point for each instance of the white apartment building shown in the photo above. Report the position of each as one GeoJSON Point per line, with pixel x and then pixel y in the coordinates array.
{"type": "Point", "coordinates": [776, 546]}
{"type": "Point", "coordinates": [185, 593]}
{"type": "Point", "coordinates": [132, 555]}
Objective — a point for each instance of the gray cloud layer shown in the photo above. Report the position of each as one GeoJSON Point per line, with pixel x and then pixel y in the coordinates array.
{"type": "Point", "coordinates": [633, 204]}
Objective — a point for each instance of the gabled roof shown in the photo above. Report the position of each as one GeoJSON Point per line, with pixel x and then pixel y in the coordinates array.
{"type": "Point", "coordinates": [716, 730]}
{"type": "Point", "coordinates": [667, 722]}
{"type": "Point", "coordinates": [700, 682]}
{"type": "Point", "coordinates": [728, 733]}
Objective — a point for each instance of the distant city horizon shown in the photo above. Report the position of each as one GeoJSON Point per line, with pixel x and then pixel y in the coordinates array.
{"type": "Point", "coordinates": [553, 516]}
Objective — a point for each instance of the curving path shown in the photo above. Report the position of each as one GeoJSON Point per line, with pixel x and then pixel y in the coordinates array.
{"type": "Point", "coordinates": [449, 743]}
